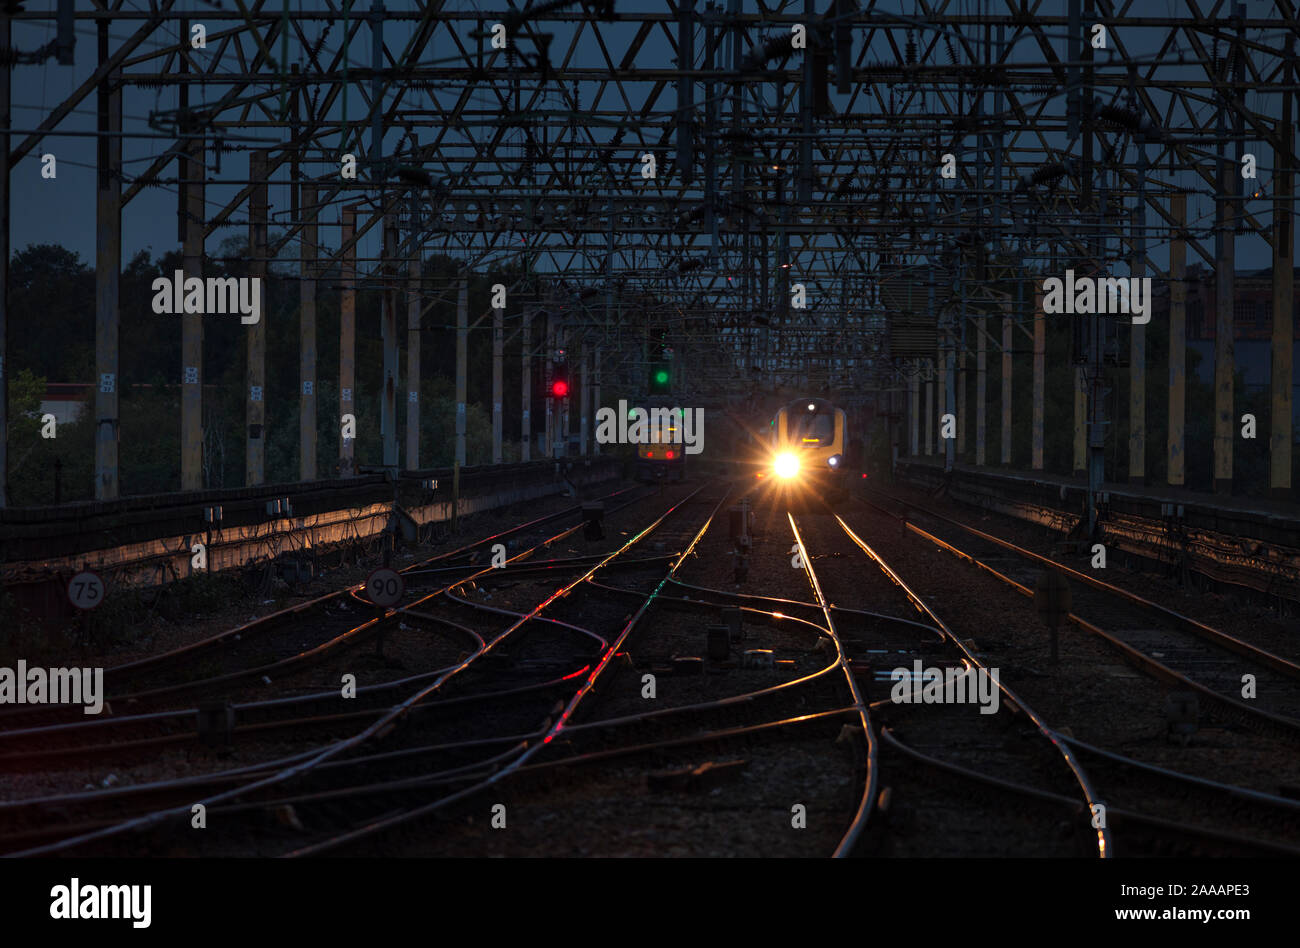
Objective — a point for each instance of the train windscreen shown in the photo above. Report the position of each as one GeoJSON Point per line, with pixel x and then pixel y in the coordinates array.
{"type": "Point", "coordinates": [813, 429]}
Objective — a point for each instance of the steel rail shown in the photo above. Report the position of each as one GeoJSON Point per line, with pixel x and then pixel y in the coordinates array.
{"type": "Point", "coordinates": [1105, 849]}
{"type": "Point", "coordinates": [528, 752]}
{"type": "Point", "coordinates": [859, 822]}
{"type": "Point", "coordinates": [1288, 726]}
{"type": "Point", "coordinates": [377, 728]}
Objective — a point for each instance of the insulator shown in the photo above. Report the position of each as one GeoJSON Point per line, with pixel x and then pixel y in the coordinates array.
{"type": "Point", "coordinates": [515, 19]}
{"type": "Point", "coordinates": [1048, 173]}
{"type": "Point", "coordinates": [1128, 118]}
{"type": "Point", "coordinates": [414, 175]}
{"type": "Point", "coordinates": [313, 51]}
{"type": "Point", "coordinates": [776, 46]}
{"type": "Point", "coordinates": [881, 70]}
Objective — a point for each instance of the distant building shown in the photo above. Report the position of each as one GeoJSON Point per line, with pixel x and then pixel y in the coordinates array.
{"type": "Point", "coordinates": [65, 400]}
{"type": "Point", "coordinates": [1252, 329]}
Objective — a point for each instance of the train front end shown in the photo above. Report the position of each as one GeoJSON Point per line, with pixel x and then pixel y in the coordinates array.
{"type": "Point", "coordinates": [808, 449]}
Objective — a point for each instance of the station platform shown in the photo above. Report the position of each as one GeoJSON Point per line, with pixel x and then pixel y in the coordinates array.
{"type": "Point", "coordinates": [148, 540]}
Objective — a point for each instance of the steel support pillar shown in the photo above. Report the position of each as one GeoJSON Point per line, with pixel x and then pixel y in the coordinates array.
{"type": "Point", "coordinates": [526, 389]}
{"type": "Point", "coordinates": [981, 389]}
{"type": "Point", "coordinates": [1137, 363]}
{"type": "Point", "coordinates": [549, 444]}
{"type": "Point", "coordinates": [1177, 472]}
{"type": "Point", "coordinates": [1040, 393]}
{"type": "Point", "coordinates": [1008, 325]}
{"type": "Point", "coordinates": [462, 357]}
{"type": "Point", "coordinates": [929, 407]}
{"type": "Point", "coordinates": [255, 390]}
{"type": "Point", "coordinates": [950, 403]}
{"type": "Point", "coordinates": [940, 393]}
{"type": "Point", "coordinates": [961, 403]}
{"type": "Point", "coordinates": [498, 380]}
{"type": "Point", "coordinates": [348, 343]}
{"type": "Point", "coordinates": [1225, 364]}
{"type": "Point", "coordinates": [1080, 421]}
{"type": "Point", "coordinates": [192, 175]}
{"type": "Point", "coordinates": [914, 410]}
{"type": "Point", "coordinates": [595, 395]}
{"type": "Point", "coordinates": [1096, 381]}
{"type": "Point", "coordinates": [108, 270]}
{"type": "Point", "coordinates": [562, 432]}
{"type": "Point", "coordinates": [414, 343]}
{"type": "Point", "coordinates": [310, 251]}
{"type": "Point", "coordinates": [1281, 379]}
{"type": "Point", "coordinates": [388, 337]}
{"type": "Point", "coordinates": [584, 402]}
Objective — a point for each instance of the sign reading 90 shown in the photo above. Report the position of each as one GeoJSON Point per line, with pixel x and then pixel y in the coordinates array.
{"type": "Point", "coordinates": [384, 587]}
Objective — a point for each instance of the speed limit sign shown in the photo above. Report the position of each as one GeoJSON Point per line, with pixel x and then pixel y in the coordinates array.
{"type": "Point", "coordinates": [384, 587]}
{"type": "Point", "coordinates": [86, 590]}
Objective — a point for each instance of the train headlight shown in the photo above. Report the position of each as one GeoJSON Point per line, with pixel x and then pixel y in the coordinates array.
{"type": "Point", "coordinates": [834, 460]}
{"type": "Point", "coordinates": [786, 466]}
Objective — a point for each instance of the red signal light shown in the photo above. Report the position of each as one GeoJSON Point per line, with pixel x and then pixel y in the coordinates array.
{"type": "Point", "coordinates": [559, 388]}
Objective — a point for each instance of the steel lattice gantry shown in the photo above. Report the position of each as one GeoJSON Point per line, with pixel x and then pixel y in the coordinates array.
{"type": "Point", "coordinates": [855, 197]}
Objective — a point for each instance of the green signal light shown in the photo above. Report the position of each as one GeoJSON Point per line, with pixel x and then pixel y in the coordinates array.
{"type": "Point", "coordinates": [661, 376]}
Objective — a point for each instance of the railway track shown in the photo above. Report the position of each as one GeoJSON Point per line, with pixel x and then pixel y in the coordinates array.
{"type": "Point", "coordinates": [307, 678]}
{"type": "Point", "coordinates": [1163, 811]}
{"type": "Point", "coordinates": [304, 631]}
{"type": "Point", "coordinates": [1017, 743]}
{"type": "Point", "coordinates": [503, 693]}
{"type": "Point", "coordinates": [1166, 644]}
{"type": "Point", "coordinates": [542, 714]}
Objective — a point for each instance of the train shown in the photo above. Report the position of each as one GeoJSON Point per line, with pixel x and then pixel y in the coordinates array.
{"type": "Point", "coordinates": [809, 449]}
{"type": "Point", "coordinates": [661, 458]}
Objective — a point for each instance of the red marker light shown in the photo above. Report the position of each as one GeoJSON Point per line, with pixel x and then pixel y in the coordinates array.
{"type": "Point", "coordinates": [670, 455]}
{"type": "Point", "coordinates": [649, 454]}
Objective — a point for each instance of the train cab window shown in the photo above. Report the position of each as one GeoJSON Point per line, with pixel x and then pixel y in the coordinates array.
{"type": "Point", "coordinates": [814, 429]}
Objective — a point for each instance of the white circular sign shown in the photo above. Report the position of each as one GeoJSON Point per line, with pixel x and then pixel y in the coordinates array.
{"type": "Point", "coordinates": [384, 587]}
{"type": "Point", "coordinates": [86, 590]}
